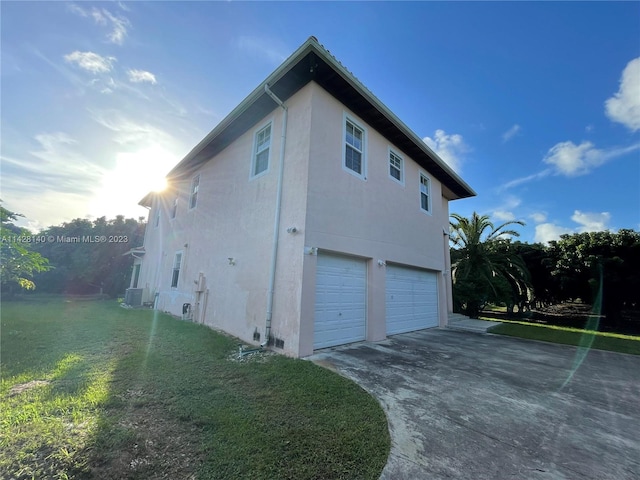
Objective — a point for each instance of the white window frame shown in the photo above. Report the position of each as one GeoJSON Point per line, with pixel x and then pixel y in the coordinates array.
{"type": "Point", "coordinates": [429, 194]}
{"type": "Point", "coordinates": [174, 208]}
{"type": "Point", "coordinates": [391, 152]}
{"type": "Point", "coordinates": [193, 191]}
{"type": "Point", "coordinates": [176, 267]}
{"type": "Point", "coordinates": [255, 152]}
{"type": "Point", "coordinates": [363, 164]}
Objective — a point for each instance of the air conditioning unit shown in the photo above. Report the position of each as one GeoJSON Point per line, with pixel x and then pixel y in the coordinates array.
{"type": "Point", "coordinates": [133, 297]}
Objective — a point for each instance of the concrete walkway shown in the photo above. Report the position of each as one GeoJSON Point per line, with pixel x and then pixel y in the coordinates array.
{"type": "Point", "coordinates": [466, 324]}
{"type": "Point", "coordinates": [486, 407]}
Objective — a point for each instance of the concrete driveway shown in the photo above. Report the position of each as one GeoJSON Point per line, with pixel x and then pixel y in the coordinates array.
{"type": "Point", "coordinates": [468, 406]}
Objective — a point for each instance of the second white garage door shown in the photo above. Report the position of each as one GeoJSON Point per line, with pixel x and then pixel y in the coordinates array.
{"type": "Point", "coordinates": [341, 295]}
{"type": "Point", "coordinates": [411, 298]}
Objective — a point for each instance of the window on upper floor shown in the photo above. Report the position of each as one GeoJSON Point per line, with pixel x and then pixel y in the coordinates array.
{"type": "Point", "coordinates": [174, 208]}
{"type": "Point", "coordinates": [156, 222]}
{"type": "Point", "coordinates": [354, 148]}
{"type": "Point", "coordinates": [396, 167]}
{"type": "Point", "coordinates": [261, 151]}
{"type": "Point", "coordinates": [425, 193]}
{"type": "Point", "coordinates": [177, 261]}
{"type": "Point", "coordinates": [193, 197]}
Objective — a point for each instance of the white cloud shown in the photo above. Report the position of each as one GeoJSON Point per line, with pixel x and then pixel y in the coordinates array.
{"type": "Point", "coordinates": [624, 106]}
{"type": "Point", "coordinates": [545, 232]}
{"type": "Point", "coordinates": [587, 222]}
{"type": "Point", "coordinates": [519, 181]}
{"type": "Point", "coordinates": [92, 62]}
{"type": "Point", "coordinates": [450, 148]}
{"type": "Point", "coordinates": [538, 217]}
{"type": "Point", "coordinates": [131, 133]}
{"type": "Point", "coordinates": [119, 25]}
{"type": "Point", "coordinates": [590, 221]}
{"type": "Point", "coordinates": [512, 132]}
{"type": "Point", "coordinates": [504, 215]}
{"type": "Point", "coordinates": [138, 76]}
{"type": "Point", "coordinates": [572, 160]}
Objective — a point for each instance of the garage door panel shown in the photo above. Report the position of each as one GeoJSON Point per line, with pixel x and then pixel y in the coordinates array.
{"type": "Point", "coordinates": [411, 299]}
{"type": "Point", "coordinates": [340, 311]}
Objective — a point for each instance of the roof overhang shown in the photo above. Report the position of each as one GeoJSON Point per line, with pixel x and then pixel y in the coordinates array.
{"type": "Point", "coordinates": [312, 62]}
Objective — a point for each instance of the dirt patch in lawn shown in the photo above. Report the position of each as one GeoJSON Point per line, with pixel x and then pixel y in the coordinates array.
{"type": "Point", "coordinates": [23, 387]}
{"type": "Point", "coordinates": [151, 447]}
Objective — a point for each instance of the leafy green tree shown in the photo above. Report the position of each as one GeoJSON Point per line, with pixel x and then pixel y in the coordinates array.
{"type": "Point", "coordinates": [540, 261]}
{"type": "Point", "coordinates": [484, 265]}
{"type": "Point", "coordinates": [18, 262]}
{"type": "Point", "coordinates": [94, 261]}
{"type": "Point", "coordinates": [589, 261]}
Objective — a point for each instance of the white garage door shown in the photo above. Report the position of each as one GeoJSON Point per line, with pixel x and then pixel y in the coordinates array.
{"type": "Point", "coordinates": [341, 292]}
{"type": "Point", "coordinates": [412, 299]}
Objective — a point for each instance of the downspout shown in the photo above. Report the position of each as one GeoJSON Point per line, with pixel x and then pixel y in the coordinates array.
{"type": "Point", "coordinates": [276, 220]}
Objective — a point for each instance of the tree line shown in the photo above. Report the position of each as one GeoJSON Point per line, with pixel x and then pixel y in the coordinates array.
{"type": "Point", "coordinates": [490, 267]}
{"type": "Point", "coordinates": [488, 264]}
{"type": "Point", "coordinates": [77, 257]}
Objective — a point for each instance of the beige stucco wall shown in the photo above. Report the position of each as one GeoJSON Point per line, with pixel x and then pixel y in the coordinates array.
{"type": "Point", "coordinates": [376, 218]}
{"type": "Point", "coordinates": [234, 218]}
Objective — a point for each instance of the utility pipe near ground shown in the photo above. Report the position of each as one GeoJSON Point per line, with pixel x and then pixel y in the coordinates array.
{"type": "Point", "coordinates": [276, 221]}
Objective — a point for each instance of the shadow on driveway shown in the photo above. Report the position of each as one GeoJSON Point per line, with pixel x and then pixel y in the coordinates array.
{"type": "Point", "coordinates": [468, 406]}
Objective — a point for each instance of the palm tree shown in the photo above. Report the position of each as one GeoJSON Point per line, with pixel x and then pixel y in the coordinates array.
{"type": "Point", "coordinates": [484, 266]}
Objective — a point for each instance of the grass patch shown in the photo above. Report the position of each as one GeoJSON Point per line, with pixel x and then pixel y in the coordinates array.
{"type": "Point", "coordinates": [91, 390]}
{"type": "Point", "coordinates": [614, 342]}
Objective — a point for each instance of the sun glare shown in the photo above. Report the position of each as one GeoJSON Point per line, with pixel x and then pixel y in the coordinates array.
{"type": "Point", "coordinates": [135, 174]}
{"type": "Point", "coordinates": [159, 184]}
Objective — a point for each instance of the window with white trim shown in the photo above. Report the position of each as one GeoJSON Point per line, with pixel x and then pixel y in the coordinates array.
{"type": "Point", "coordinates": [193, 196]}
{"type": "Point", "coordinates": [261, 151]}
{"type": "Point", "coordinates": [354, 148]}
{"type": "Point", "coordinates": [175, 274]}
{"type": "Point", "coordinates": [425, 193]}
{"type": "Point", "coordinates": [174, 208]}
{"type": "Point", "coordinates": [396, 164]}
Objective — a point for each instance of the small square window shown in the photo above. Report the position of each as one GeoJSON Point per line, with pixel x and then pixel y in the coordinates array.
{"type": "Point", "coordinates": [425, 193]}
{"type": "Point", "coordinates": [395, 167]}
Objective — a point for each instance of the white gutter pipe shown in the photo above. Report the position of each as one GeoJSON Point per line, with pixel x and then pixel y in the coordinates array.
{"type": "Point", "coordinates": [276, 220]}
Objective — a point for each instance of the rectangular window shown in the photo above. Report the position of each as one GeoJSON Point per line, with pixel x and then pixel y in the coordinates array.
{"type": "Point", "coordinates": [157, 220]}
{"type": "Point", "coordinates": [174, 208]}
{"type": "Point", "coordinates": [195, 185]}
{"type": "Point", "coordinates": [176, 270]}
{"type": "Point", "coordinates": [261, 151]}
{"type": "Point", "coordinates": [425, 193]}
{"type": "Point", "coordinates": [395, 167]}
{"type": "Point", "coordinates": [354, 143]}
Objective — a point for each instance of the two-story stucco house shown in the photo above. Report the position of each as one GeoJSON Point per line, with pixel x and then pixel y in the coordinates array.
{"type": "Point", "coordinates": [311, 216]}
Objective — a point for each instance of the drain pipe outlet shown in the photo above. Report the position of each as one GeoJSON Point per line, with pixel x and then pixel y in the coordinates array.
{"type": "Point", "coordinates": [276, 220]}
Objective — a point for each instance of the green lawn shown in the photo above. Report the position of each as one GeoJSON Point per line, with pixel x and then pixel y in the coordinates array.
{"type": "Point", "coordinates": [568, 336]}
{"type": "Point", "coordinates": [91, 390]}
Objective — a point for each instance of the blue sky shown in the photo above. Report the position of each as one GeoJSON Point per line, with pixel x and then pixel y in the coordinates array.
{"type": "Point", "coordinates": [536, 105]}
